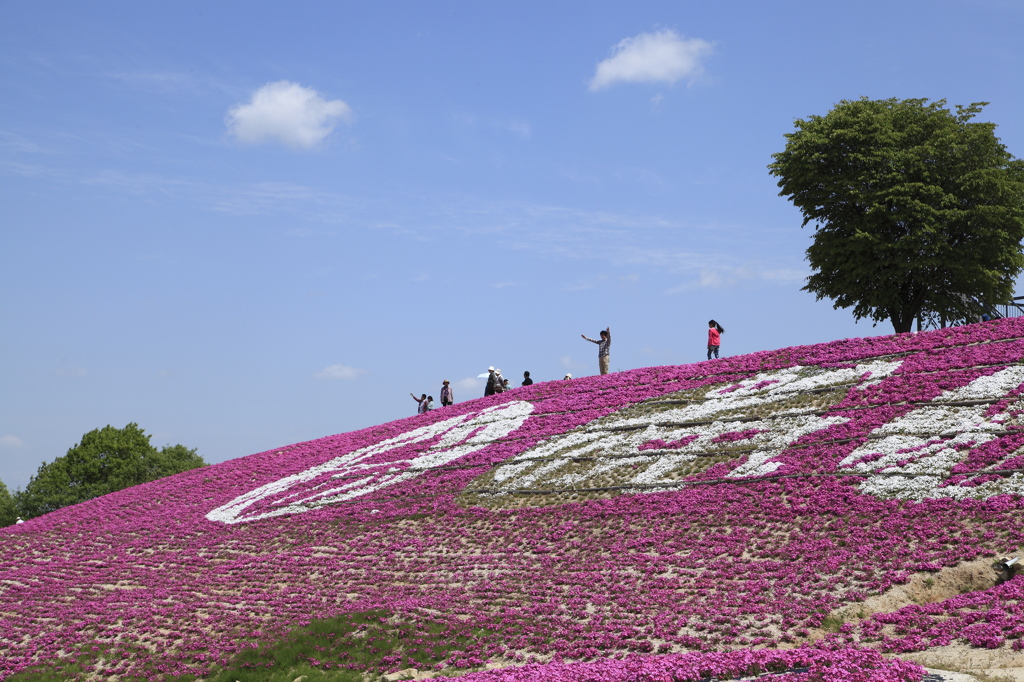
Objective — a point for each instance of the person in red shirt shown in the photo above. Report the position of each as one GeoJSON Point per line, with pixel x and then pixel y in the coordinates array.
{"type": "Point", "coordinates": [714, 338]}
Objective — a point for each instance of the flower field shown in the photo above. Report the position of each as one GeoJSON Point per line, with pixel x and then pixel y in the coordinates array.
{"type": "Point", "coordinates": [667, 523]}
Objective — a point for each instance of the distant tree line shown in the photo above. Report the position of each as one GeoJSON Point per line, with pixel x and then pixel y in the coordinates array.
{"type": "Point", "coordinates": [105, 461]}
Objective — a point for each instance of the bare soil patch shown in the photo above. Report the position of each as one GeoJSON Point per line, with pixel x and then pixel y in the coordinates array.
{"type": "Point", "coordinates": [926, 588]}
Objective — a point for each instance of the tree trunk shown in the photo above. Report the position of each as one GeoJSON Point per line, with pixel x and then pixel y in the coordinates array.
{"type": "Point", "coordinates": [901, 322]}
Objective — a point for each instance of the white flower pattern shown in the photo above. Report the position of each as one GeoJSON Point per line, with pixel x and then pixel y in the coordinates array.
{"type": "Point", "coordinates": [617, 448]}
{"type": "Point", "coordinates": [338, 479]}
{"type": "Point", "coordinates": [925, 444]}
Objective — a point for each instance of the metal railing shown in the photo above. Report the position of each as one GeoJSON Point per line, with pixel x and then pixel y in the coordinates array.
{"type": "Point", "coordinates": [1015, 308]}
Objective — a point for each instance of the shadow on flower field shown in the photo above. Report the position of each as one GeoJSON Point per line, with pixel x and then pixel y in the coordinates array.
{"type": "Point", "coordinates": [815, 509]}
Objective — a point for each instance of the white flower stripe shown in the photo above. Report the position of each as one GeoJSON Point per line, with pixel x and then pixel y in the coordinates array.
{"type": "Point", "coordinates": [910, 444]}
{"type": "Point", "coordinates": [459, 436]}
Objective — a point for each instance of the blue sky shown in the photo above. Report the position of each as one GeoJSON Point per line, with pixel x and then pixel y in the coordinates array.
{"type": "Point", "coordinates": [247, 224]}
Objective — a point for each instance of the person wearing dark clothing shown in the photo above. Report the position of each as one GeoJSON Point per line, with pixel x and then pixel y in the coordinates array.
{"type": "Point", "coordinates": [715, 332]}
{"type": "Point", "coordinates": [527, 381]}
{"type": "Point", "coordinates": [492, 380]}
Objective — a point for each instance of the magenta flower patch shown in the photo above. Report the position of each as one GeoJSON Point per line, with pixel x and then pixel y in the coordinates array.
{"type": "Point", "coordinates": [660, 523]}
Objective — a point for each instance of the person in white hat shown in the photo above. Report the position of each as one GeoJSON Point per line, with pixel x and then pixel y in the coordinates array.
{"type": "Point", "coordinates": [492, 379]}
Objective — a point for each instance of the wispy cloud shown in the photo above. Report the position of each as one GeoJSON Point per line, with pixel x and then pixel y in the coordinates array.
{"type": "Point", "coordinates": [695, 250]}
{"type": "Point", "coordinates": [264, 198]}
{"type": "Point", "coordinates": [659, 57]}
{"type": "Point", "coordinates": [167, 81]}
{"type": "Point", "coordinates": [340, 373]}
{"type": "Point", "coordinates": [723, 273]}
{"type": "Point", "coordinates": [570, 364]}
{"type": "Point", "coordinates": [517, 126]}
{"type": "Point", "coordinates": [468, 388]}
{"type": "Point", "coordinates": [19, 144]}
{"type": "Point", "coordinates": [286, 113]}
{"type": "Point", "coordinates": [10, 441]}
{"type": "Point", "coordinates": [303, 232]}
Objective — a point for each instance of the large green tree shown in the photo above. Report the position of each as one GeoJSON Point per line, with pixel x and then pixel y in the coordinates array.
{"type": "Point", "coordinates": [106, 460]}
{"type": "Point", "coordinates": [8, 513]}
{"type": "Point", "coordinates": [919, 211]}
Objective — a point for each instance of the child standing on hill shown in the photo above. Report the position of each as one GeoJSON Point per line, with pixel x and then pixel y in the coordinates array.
{"type": "Point", "coordinates": [715, 332]}
{"type": "Point", "coordinates": [603, 349]}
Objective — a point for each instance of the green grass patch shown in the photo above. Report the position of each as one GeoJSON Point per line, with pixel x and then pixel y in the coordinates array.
{"type": "Point", "coordinates": [338, 649]}
{"type": "Point", "coordinates": [828, 624]}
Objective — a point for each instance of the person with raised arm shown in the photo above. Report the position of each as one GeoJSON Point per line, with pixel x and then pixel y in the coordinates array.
{"type": "Point", "coordinates": [603, 348]}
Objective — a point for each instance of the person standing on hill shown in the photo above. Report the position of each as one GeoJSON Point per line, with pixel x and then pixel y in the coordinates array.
{"type": "Point", "coordinates": [447, 397]}
{"type": "Point", "coordinates": [603, 349]}
{"type": "Point", "coordinates": [715, 332]}
{"type": "Point", "coordinates": [422, 400]}
{"type": "Point", "coordinates": [527, 381]}
{"type": "Point", "coordinates": [492, 379]}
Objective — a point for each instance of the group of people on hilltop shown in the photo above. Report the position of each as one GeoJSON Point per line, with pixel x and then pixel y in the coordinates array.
{"type": "Point", "coordinates": [495, 384]}
{"type": "Point", "coordinates": [498, 384]}
{"type": "Point", "coordinates": [604, 345]}
{"type": "Point", "coordinates": [426, 402]}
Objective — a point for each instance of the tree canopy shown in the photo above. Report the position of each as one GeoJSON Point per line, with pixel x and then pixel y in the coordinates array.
{"type": "Point", "coordinates": [8, 513]}
{"type": "Point", "coordinates": [106, 460]}
{"type": "Point", "coordinates": [918, 211]}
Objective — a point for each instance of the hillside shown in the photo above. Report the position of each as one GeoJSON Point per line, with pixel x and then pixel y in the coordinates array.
{"type": "Point", "coordinates": [846, 497]}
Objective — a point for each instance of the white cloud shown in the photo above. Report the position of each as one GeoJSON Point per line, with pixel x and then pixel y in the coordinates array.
{"type": "Point", "coordinates": [711, 279]}
{"type": "Point", "coordinates": [520, 128]}
{"type": "Point", "coordinates": [9, 441]}
{"type": "Point", "coordinates": [468, 388]}
{"type": "Point", "coordinates": [516, 126]}
{"type": "Point", "coordinates": [286, 113]}
{"type": "Point", "coordinates": [567, 362]}
{"type": "Point", "coordinates": [660, 57]}
{"type": "Point", "coordinates": [340, 372]}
